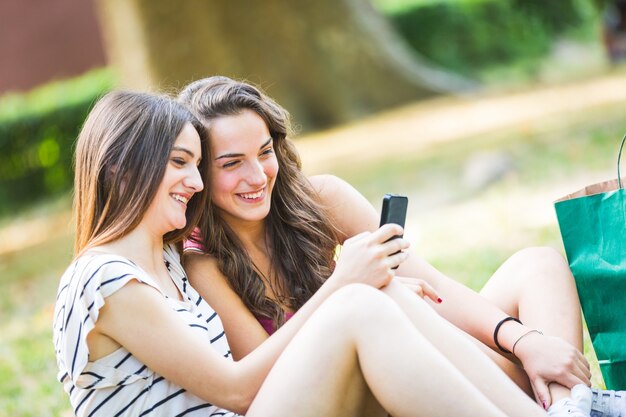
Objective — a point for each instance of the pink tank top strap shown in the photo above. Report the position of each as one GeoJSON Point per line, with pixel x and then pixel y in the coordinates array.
{"type": "Point", "coordinates": [192, 245]}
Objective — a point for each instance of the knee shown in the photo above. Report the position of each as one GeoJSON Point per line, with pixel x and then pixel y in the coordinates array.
{"type": "Point", "coordinates": [355, 296]}
{"type": "Point", "coordinates": [358, 304]}
{"type": "Point", "coordinates": [544, 262]}
{"type": "Point", "coordinates": [541, 255]}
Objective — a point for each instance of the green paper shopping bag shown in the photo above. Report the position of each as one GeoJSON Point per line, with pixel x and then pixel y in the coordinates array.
{"type": "Point", "coordinates": [593, 228]}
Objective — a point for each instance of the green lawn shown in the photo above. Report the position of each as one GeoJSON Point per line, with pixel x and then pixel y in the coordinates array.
{"type": "Point", "coordinates": [390, 6]}
{"type": "Point", "coordinates": [28, 282]}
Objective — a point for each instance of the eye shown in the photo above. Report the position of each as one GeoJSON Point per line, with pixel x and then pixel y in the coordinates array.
{"type": "Point", "coordinates": [178, 161]}
{"type": "Point", "coordinates": [230, 164]}
{"type": "Point", "coordinates": [268, 151]}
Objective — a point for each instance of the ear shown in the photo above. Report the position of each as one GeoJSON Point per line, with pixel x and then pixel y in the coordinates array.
{"type": "Point", "coordinates": [112, 172]}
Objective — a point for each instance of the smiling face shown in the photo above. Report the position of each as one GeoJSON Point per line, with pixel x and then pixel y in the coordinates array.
{"type": "Point", "coordinates": [244, 167]}
{"type": "Point", "coordinates": [180, 182]}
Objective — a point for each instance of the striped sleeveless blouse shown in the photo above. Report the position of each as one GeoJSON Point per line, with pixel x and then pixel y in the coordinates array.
{"type": "Point", "coordinates": [119, 384]}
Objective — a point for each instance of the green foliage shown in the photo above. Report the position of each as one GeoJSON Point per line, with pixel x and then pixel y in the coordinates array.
{"type": "Point", "coordinates": [470, 36]}
{"type": "Point", "coordinates": [37, 133]}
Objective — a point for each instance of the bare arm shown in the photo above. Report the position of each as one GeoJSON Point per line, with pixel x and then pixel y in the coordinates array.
{"type": "Point", "coordinates": [364, 259]}
{"type": "Point", "coordinates": [243, 330]}
{"type": "Point", "coordinates": [463, 307]}
{"type": "Point", "coordinates": [466, 309]}
{"type": "Point", "coordinates": [152, 332]}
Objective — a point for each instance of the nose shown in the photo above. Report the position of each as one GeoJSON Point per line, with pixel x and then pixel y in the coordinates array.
{"type": "Point", "coordinates": [194, 180]}
{"type": "Point", "coordinates": [256, 174]}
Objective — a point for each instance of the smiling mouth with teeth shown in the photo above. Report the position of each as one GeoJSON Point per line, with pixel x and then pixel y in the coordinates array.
{"type": "Point", "coordinates": [180, 198]}
{"type": "Point", "coordinates": [252, 196]}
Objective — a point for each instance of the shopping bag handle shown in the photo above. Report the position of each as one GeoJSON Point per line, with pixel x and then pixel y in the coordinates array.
{"type": "Point", "coordinates": [619, 156]}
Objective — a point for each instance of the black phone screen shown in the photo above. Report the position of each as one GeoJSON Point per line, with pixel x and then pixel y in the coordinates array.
{"type": "Point", "coordinates": [394, 209]}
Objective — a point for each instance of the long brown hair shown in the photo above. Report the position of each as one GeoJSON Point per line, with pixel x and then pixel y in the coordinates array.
{"type": "Point", "coordinates": [121, 155]}
{"type": "Point", "coordinates": [299, 233]}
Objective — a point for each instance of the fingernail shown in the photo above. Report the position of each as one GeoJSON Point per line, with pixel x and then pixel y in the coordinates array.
{"type": "Point", "coordinates": [439, 300]}
{"type": "Point", "coordinates": [544, 405]}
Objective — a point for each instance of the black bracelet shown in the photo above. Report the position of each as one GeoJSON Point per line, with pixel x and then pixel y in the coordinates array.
{"type": "Point", "coordinates": [495, 332]}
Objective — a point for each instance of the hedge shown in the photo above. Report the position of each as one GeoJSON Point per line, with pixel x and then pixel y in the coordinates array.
{"type": "Point", "coordinates": [37, 135]}
{"type": "Point", "coordinates": [471, 36]}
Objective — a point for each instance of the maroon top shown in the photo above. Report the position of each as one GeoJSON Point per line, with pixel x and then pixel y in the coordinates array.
{"type": "Point", "coordinates": [268, 324]}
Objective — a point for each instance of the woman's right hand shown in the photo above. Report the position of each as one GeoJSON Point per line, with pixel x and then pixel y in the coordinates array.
{"type": "Point", "coordinates": [369, 257]}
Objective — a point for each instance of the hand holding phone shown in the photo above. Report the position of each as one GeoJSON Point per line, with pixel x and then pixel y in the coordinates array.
{"type": "Point", "coordinates": [394, 211]}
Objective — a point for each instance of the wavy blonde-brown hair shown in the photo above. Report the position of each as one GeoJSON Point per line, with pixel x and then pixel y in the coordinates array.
{"type": "Point", "coordinates": [121, 155]}
{"type": "Point", "coordinates": [300, 236]}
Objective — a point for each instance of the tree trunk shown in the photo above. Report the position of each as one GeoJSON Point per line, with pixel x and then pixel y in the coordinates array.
{"type": "Point", "coordinates": [326, 61]}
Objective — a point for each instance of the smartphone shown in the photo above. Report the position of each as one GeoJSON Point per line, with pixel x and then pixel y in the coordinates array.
{"type": "Point", "coordinates": [394, 211]}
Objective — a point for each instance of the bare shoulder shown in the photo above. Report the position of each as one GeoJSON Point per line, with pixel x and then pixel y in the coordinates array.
{"type": "Point", "coordinates": [348, 208]}
{"type": "Point", "coordinates": [335, 192]}
{"type": "Point", "coordinates": [195, 259]}
{"type": "Point", "coordinates": [328, 186]}
{"type": "Point", "coordinates": [203, 271]}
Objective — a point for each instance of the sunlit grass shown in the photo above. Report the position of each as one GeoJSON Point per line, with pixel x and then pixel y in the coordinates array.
{"type": "Point", "coordinates": [28, 283]}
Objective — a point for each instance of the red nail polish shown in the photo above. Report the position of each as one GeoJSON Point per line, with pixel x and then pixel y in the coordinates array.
{"type": "Point", "coordinates": [544, 405]}
{"type": "Point", "coordinates": [439, 300]}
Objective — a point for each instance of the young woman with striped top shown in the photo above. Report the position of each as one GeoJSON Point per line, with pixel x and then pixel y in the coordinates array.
{"type": "Point", "coordinates": [132, 338]}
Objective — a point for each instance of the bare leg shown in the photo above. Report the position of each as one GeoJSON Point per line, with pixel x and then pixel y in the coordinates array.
{"type": "Point", "coordinates": [536, 286]}
{"type": "Point", "coordinates": [465, 354]}
{"type": "Point", "coordinates": [359, 337]}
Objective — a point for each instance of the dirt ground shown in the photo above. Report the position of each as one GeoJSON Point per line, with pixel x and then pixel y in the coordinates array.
{"type": "Point", "coordinates": [417, 126]}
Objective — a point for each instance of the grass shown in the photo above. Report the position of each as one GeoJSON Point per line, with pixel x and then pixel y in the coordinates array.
{"type": "Point", "coordinates": [391, 6]}
{"type": "Point", "coordinates": [28, 281]}
{"type": "Point", "coordinates": [464, 229]}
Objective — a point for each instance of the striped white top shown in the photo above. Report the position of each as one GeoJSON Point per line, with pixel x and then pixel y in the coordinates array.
{"type": "Point", "coordinates": [119, 384]}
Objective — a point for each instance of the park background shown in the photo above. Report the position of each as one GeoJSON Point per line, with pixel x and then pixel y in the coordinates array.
{"type": "Point", "coordinates": [483, 112]}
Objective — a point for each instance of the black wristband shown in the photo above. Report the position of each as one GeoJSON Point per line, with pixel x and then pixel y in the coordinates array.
{"type": "Point", "coordinates": [497, 329]}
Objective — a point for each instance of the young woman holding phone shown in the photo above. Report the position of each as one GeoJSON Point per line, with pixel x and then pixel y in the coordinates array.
{"type": "Point", "coordinates": [267, 241]}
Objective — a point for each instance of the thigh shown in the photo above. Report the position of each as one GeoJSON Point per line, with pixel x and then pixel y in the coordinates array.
{"type": "Point", "coordinates": [511, 369]}
{"type": "Point", "coordinates": [317, 375]}
{"type": "Point", "coordinates": [536, 285]}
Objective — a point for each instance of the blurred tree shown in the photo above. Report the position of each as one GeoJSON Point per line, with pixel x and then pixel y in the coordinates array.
{"type": "Point", "coordinates": [326, 61]}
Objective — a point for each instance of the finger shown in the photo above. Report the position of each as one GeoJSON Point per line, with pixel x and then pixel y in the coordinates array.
{"type": "Point", "coordinates": [390, 275]}
{"type": "Point", "coordinates": [426, 289]}
{"type": "Point", "coordinates": [430, 292]}
{"type": "Point", "coordinates": [542, 393]}
{"type": "Point", "coordinates": [386, 232]}
{"type": "Point", "coordinates": [419, 290]}
{"type": "Point", "coordinates": [416, 289]}
{"type": "Point", "coordinates": [412, 285]}
{"type": "Point", "coordinates": [397, 258]}
{"type": "Point", "coordinates": [584, 364]}
{"type": "Point", "coordinates": [570, 379]}
{"type": "Point", "coordinates": [583, 367]}
{"type": "Point", "coordinates": [580, 374]}
{"type": "Point", "coordinates": [395, 245]}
